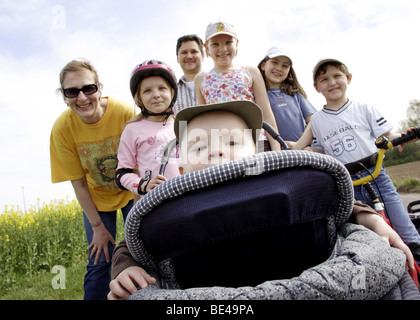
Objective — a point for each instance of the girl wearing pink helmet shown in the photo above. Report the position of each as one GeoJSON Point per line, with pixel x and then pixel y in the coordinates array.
{"type": "Point", "coordinates": [153, 86]}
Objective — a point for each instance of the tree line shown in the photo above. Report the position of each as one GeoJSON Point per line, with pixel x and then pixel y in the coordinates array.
{"type": "Point", "coordinates": [411, 151]}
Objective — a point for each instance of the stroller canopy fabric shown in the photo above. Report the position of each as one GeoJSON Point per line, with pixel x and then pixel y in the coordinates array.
{"type": "Point", "coordinates": [361, 264]}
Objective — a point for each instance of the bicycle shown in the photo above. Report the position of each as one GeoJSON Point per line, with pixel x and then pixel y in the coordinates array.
{"type": "Point", "coordinates": [376, 160]}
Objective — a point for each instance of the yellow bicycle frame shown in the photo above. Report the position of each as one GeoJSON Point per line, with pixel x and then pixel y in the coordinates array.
{"type": "Point", "coordinates": [378, 165]}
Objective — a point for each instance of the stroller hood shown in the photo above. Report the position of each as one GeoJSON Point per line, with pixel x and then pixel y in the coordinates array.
{"type": "Point", "coordinates": [254, 166]}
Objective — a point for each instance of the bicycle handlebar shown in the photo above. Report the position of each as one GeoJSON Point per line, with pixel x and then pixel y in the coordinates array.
{"type": "Point", "coordinates": [376, 159]}
{"type": "Point", "coordinates": [407, 137]}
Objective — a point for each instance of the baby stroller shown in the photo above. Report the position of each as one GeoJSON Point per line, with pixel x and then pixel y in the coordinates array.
{"type": "Point", "coordinates": [413, 209]}
{"type": "Point", "coordinates": [251, 222]}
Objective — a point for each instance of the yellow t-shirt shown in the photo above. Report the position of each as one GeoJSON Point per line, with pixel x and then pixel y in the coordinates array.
{"type": "Point", "coordinates": [79, 149]}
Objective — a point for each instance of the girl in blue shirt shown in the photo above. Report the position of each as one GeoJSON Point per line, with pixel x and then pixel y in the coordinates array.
{"type": "Point", "coordinates": [288, 100]}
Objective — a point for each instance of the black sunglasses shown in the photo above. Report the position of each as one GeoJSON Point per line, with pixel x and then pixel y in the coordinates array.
{"type": "Point", "coordinates": [74, 92]}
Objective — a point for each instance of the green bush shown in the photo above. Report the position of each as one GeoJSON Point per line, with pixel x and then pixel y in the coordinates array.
{"type": "Point", "coordinates": [410, 153]}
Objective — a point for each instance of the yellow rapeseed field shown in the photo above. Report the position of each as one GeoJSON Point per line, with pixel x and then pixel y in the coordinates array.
{"type": "Point", "coordinates": [40, 238]}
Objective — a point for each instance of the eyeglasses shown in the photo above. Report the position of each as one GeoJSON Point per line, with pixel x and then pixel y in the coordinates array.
{"type": "Point", "coordinates": [74, 92]}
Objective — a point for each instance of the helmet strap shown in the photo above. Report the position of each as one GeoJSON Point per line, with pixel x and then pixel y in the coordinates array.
{"type": "Point", "coordinates": [146, 113]}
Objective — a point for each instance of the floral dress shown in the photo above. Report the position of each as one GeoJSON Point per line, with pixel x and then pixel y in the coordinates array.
{"type": "Point", "coordinates": [227, 86]}
{"type": "Point", "coordinates": [232, 85]}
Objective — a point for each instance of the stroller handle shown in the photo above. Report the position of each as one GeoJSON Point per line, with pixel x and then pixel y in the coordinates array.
{"type": "Point", "coordinates": [165, 157]}
{"type": "Point", "coordinates": [276, 136]}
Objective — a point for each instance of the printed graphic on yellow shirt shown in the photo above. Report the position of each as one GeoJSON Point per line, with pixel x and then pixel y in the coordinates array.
{"type": "Point", "coordinates": [99, 160]}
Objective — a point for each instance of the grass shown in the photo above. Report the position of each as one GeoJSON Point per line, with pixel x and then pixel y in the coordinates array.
{"type": "Point", "coordinates": [34, 243]}
{"type": "Point", "coordinates": [407, 186]}
{"type": "Point", "coordinates": [40, 286]}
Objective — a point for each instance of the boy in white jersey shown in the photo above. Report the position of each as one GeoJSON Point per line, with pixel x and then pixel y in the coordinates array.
{"type": "Point", "coordinates": [347, 130]}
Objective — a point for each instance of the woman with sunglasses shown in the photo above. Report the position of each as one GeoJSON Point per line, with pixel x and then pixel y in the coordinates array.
{"type": "Point", "coordinates": [83, 149]}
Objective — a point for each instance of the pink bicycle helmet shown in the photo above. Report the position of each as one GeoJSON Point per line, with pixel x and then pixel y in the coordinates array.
{"type": "Point", "coordinates": [153, 68]}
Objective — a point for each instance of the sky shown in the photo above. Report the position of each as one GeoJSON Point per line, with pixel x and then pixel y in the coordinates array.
{"type": "Point", "coordinates": [377, 39]}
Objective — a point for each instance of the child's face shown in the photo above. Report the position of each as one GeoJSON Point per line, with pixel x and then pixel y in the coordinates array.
{"type": "Point", "coordinates": [222, 49]}
{"type": "Point", "coordinates": [333, 84]}
{"type": "Point", "coordinates": [213, 138]}
{"type": "Point", "coordinates": [276, 70]}
{"type": "Point", "coordinates": [155, 94]}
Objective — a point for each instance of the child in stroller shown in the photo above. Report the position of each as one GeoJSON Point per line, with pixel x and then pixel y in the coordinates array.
{"type": "Point", "coordinates": [178, 264]}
